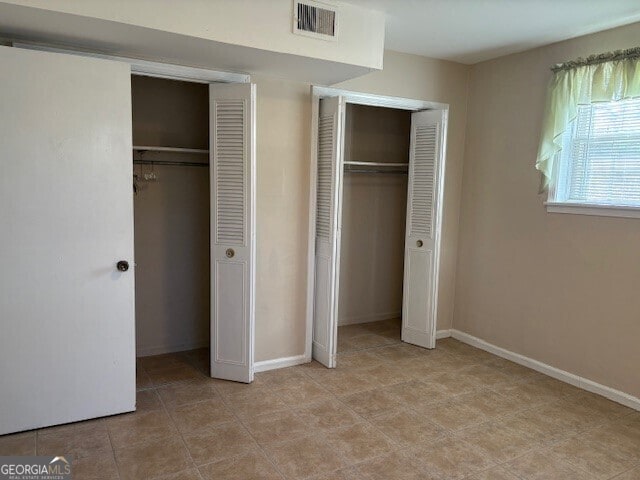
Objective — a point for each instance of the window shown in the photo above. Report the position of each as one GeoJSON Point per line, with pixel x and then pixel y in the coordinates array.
{"type": "Point", "coordinates": [599, 163]}
{"type": "Point", "coordinates": [589, 155]}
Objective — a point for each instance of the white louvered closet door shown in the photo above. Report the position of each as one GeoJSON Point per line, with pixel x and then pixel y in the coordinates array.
{"type": "Point", "coordinates": [232, 156]}
{"type": "Point", "coordinates": [424, 213]}
{"type": "Point", "coordinates": [328, 228]}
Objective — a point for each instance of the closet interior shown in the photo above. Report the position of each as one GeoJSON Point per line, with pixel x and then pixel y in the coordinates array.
{"type": "Point", "coordinates": [171, 216]}
{"type": "Point", "coordinates": [374, 205]}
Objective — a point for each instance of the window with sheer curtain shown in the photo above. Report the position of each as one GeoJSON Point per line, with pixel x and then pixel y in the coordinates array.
{"type": "Point", "coordinates": [599, 162]}
{"type": "Point", "coordinates": [590, 147]}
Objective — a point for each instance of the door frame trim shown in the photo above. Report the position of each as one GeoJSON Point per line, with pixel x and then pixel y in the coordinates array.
{"type": "Point", "coordinates": [358, 98]}
{"type": "Point", "coordinates": [149, 68]}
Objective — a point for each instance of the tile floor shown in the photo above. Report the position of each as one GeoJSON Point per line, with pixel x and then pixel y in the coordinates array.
{"type": "Point", "coordinates": [389, 411]}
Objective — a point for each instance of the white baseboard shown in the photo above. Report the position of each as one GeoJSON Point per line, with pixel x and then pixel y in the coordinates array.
{"type": "Point", "coordinates": [266, 365]}
{"type": "Point", "coordinates": [562, 375]}
{"type": "Point", "coordinates": [368, 318]}
{"type": "Point", "coordinates": [440, 334]}
{"type": "Point", "coordinates": [142, 351]}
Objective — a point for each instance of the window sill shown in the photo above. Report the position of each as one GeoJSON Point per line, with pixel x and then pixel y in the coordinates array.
{"type": "Point", "coordinates": [599, 210]}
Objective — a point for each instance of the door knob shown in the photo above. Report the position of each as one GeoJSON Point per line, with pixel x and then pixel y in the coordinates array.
{"type": "Point", "coordinates": [122, 265]}
{"type": "Point", "coordinates": [419, 243]}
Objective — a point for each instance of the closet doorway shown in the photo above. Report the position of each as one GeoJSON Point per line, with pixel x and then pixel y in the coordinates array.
{"type": "Point", "coordinates": [69, 172]}
{"type": "Point", "coordinates": [374, 206]}
{"type": "Point", "coordinates": [194, 217]}
{"type": "Point", "coordinates": [171, 217]}
{"type": "Point", "coordinates": [377, 205]}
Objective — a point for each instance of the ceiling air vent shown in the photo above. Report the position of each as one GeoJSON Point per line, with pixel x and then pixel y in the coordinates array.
{"type": "Point", "coordinates": [315, 19]}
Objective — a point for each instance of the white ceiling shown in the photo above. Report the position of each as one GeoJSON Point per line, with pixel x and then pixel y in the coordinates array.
{"type": "Point", "coordinates": [471, 31]}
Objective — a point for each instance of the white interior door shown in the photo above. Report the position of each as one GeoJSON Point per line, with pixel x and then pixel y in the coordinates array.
{"type": "Point", "coordinates": [328, 227]}
{"type": "Point", "coordinates": [424, 213]}
{"type": "Point", "coordinates": [67, 349]}
{"type": "Point", "coordinates": [233, 245]}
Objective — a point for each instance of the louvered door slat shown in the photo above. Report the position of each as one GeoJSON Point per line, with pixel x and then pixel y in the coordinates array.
{"type": "Point", "coordinates": [325, 175]}
{"type": "Point", "coordinates": [327, 255]}
{"type": "Point", "coordinates": [230, 168]}
{"type": "Point", "coordinates": [423, 178]}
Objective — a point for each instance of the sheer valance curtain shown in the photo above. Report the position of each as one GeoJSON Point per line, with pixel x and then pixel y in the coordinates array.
{"type": "Point", "coordinates": [599, 78]}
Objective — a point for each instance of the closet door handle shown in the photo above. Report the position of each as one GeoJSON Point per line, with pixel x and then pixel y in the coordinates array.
{"type": "Point", "coordinates": [122, 265]}
{"type": "Point", "coordinates": [419, 243]}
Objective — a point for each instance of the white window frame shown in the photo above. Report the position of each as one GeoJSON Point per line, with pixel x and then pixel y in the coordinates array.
{"type": "Point", "coordinates": [555, 206]}
{"type": "Point", "coordinates": [591, 209]}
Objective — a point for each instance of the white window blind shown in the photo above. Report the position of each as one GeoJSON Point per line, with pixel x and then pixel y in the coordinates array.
{"type": "Point", "coordinates": [599, 163]}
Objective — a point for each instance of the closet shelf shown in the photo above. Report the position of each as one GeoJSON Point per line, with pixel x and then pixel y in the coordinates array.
{"type": "Point", "coordinates": [142, 148]}
{"type": "Point", "coordinates": [376, 167]}
{"type": "Point", "coordinates": [169, 163]}
{"type": "Point", "coordinates": [376, 164]}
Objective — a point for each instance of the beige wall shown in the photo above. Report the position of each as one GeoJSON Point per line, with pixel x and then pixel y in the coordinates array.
{"type": "Point", "coordinates": [265, 25]}
{"type": "Point", "coordinates": [172, 260]}
{"type": "Point", "coordinates": [372, 250]}
{"type": "Point", "coordinates": [283, 161]}
{"type": "Point", "coordinates": [423, 78]}
{"type": "Point", "coordinates": [283, 136]}
{"type": "Point", "coordinates": [562, 289]}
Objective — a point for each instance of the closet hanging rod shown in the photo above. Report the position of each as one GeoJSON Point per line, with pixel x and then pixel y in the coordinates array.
{"type": "Point", "coordinates": [169, 163]}
{"type": "Point", "coordinates": [376, 164]}
{"type": "Point", "coordinates": [371, 170]}
{"type": "Point", "coordinates": [142, 148]}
